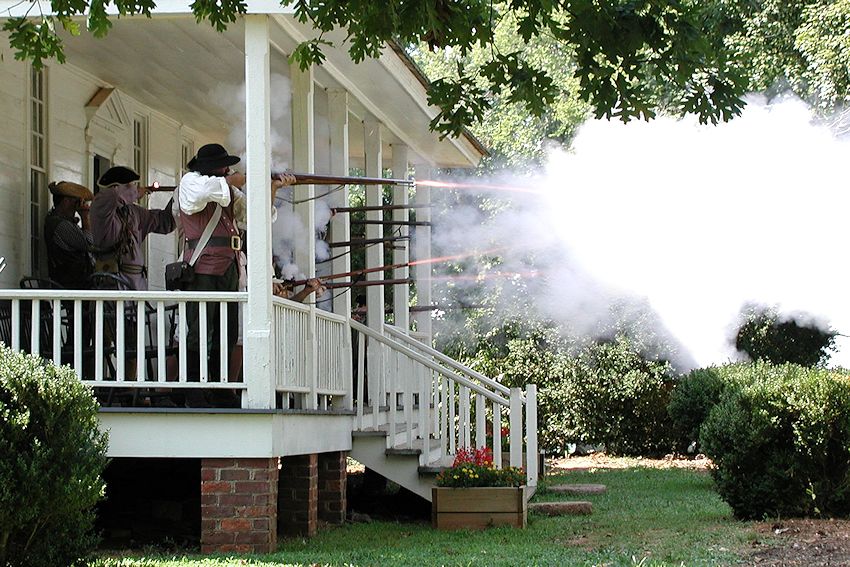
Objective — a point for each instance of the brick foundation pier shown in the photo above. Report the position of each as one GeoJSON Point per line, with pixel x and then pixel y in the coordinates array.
{"type": "Point", "coordinates": [239, 505]}
{"type": "Point", "coordinates": [332, 486]}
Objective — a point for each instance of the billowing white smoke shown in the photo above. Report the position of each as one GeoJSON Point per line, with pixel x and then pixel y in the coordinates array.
{"type": "Point", "coordinates": [288, 233]}
{"type": "Point", "coordinates": [696, 220]}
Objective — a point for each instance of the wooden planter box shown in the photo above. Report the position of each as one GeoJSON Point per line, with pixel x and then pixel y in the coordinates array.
{"type": "Point", "coordinates": [478, 508]}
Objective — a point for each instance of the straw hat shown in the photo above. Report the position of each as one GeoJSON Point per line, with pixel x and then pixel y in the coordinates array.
{"type": "Point", "coordinates": [70, 189]}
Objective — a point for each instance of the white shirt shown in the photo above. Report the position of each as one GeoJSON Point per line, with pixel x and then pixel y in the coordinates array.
{"type": "Point", "coordinates": [196, 191]}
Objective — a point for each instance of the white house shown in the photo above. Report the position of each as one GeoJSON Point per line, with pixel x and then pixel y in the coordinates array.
{"type": "Point", "coordinates": [147, 96]}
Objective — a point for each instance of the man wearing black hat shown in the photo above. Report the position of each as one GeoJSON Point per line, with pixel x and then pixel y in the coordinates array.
{"type": "Point", "coordinates": [69, 260]}
{"type": "Point", "coordinates": [120, 226]}
{"type": "Point", "coordinates": [208, 187]}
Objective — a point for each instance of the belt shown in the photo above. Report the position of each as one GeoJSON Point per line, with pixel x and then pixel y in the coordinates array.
{"type": "Point", "coordinates": [233, 242]}
{"type": "Point", "coordinates": [133, 269]}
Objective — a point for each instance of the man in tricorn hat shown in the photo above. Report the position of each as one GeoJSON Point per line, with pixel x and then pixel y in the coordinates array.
{"type": "Point", "coordinates": [69, 261]}
{"type": "Point", "coordinates": [120, 226]}
{"type": "Point", "coordinates": [210, 185]}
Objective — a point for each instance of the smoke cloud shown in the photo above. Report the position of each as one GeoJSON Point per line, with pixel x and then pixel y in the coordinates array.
{"type": "Point", "coordinates": [691, 221]}
{"type": "Point", "coordinates": [289, 232]}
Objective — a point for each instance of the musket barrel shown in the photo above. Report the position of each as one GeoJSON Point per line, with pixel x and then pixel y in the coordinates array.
{"type": "Point", "coordinates": [364, 241]}
{"type": "Point", "coordinates": [367, 283]}
{"type": "Point", "coordinates": [320, 179]}
{"type": "Point", "coordinates": [392, 222]}
{"type": "Point", "coordinates": [382, 207]}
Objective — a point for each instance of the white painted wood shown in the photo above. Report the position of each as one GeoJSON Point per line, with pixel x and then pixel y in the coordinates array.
{"type": "Point", "coordinates": [141, 337]}
{"type": "Point", "coordinates": [78, 337]}
{"type": "Point", "coordinates": [56, 321]}
{"type": "Point", "coordinates": [339, 165]}
{"type": "Point", "coordinates": [361, 365]}
{"type": "Point", "coordinates": [497, 435]}
{"type": "Point", "coordinates": [119, 334]}
{"type": "Point", "coordinates": [408, 400]}
{"type": "Point", "coordinates": [422, 251]}
{"type": "Point", "coordinates": [394, 365]}
{"type": "Point", "coordinates": [401, 252]}
{"type": "Point", "coordinates": [443, 359]}
{"type": "Point", "coordinates": [424, 410]}
{"type": "Point", "coordinates": [516, 427]}
{"type": "Point", "coordinates": [480, 420]}
{"type": "Point", "coordinates": [374, 253]}
{"type": "Point", "coordinates": [257, 336]}
{"type": "Point", "coordinates": [303, 156]}
{"type": "Point", "coordinates": [531, 433]}
{"type": "Point", "coordinates": [221, 433]}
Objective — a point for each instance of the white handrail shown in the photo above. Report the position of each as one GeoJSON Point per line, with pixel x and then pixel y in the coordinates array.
{"type": "Point", "coordinates": [448, 361]}
{"type": "Point", "coordinates": [421, 359]}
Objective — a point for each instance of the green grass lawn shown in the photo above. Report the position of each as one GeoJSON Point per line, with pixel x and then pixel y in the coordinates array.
{"type": "Point", "coordinates": [647, 517]}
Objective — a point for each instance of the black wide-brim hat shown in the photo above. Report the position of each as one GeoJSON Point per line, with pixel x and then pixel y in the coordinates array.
{"type": "Point", "coordinates": [211, 156]}
{"type": "Point", "coordinates": [118, 175]}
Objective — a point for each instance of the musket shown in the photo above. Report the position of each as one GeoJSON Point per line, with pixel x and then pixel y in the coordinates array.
{"type": "Point", "coordinates": [366, 283]}
{"type": "Point", "coordinates": [312, 179]}
{"type": "Point", "coordinates": [391, 222]}
{"type": "Point", "coordinates": [421, 308]}
{"type": "Point", "coordinates": [381, 208]}
{"type": "Point", "coordinates": [321, 179]}
{"type": "Point", "coordinates": [342, 243]}
{"type": "Point", "coordinates": [351, 273]}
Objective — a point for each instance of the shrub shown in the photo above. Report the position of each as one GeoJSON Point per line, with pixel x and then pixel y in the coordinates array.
{"type": "Point", "coordinates": [615, 396]}
{"type": "Point", "coordinates": [779, 442]}
{"type": "Point", "coordinates": [696, 393]}
{"type": "Point", "coordinates": [51, 459]}
{"type": "Point", "coordinates": [764, 335]}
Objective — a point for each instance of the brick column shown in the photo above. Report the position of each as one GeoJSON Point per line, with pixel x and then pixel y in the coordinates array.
{"type": "Point", "coordinates": [332, 485]}
{"type": "Point", "coordinates": [239, 505]}
{"type": "Point", "coordinates": [298, 495]}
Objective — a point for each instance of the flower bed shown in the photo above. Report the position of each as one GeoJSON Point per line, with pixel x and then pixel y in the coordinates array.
{"type": "Point", "coordinates": [473, 493]}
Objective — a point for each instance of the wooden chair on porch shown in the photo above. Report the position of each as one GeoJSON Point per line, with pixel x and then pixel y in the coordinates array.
{"type": "Point", "coordinates": [150, 351]}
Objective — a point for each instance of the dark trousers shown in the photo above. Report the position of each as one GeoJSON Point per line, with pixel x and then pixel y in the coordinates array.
{"type": "Point", "coordinates": [229, 281]}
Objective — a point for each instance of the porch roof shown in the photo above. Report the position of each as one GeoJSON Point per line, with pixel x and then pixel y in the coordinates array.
{"type": "Point", "coordinates": [173, 64]}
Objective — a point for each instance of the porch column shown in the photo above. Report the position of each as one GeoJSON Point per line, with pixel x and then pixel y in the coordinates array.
{"type": "Point", "coordinates": [303, 161]}
{"type": "Point", "coordinates": [422, 250]}
{"type": "Point", "coordinates": [401, 253]}
{"type": "Point", "coordinates": [340, 225]}
{"type": "Point", "coordinates": [257, 337]}
{"type": "Point", "coordinates": [374, 258]}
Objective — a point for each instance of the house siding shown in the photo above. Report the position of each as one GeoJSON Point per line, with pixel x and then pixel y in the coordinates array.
{"type": "Point", "coordinates": [69, 154]}
{"type": "Point", "coordinates": [13, 183]}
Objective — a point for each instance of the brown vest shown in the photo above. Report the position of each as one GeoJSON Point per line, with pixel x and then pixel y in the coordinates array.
{"type": "Point", "coordinates": [216, 257]}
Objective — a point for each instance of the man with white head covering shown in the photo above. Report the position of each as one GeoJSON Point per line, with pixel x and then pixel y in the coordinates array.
{"type": "Point", "coordinates": [69, 260]}
{"type": "Point", "coordinates": [120, 226]}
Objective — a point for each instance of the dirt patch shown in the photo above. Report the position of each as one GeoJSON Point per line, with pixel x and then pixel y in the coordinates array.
{"type": "Point", "coordinates": [789, 543]}
{"type": "Point", "coordinates": [814, 543]}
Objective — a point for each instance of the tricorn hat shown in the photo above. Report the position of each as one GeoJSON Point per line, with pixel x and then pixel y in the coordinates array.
{"type": "Point", "coordinates": [211, 156]}
{"type": "Point", "coordinates": [118, 175]}
{"type": "Point", "coordinates": [69, 189]}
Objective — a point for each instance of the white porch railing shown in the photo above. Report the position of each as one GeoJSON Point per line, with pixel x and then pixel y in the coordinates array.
{"type": "Point", "coordinates": [429, 400]}
{"type": "Point", "coordinates": [112, 339]}
{"type": "Point", "coordinates": [293, 366]}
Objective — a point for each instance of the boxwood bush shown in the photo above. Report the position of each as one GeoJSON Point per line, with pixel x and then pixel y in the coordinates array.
{"type": "Point", "coordinates": [51, 459]}
{"type": "Point", "coordinates": [779, 441]}
{"type": "Point", "coordinates": [696, 393]}
{"type": "Point", "coordinates": [614, 395]}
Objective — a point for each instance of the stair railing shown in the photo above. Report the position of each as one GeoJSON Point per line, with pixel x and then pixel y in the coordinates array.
{"type": "Point", "coordinates": [436, 396]}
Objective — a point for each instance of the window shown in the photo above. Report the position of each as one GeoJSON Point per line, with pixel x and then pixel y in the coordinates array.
{"type": "Point", "coordinates": [187, 152]}
{"type": "Point", "coordinates": [38, 164]}
{"type": "Point", "coordinates": [140, 147]}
